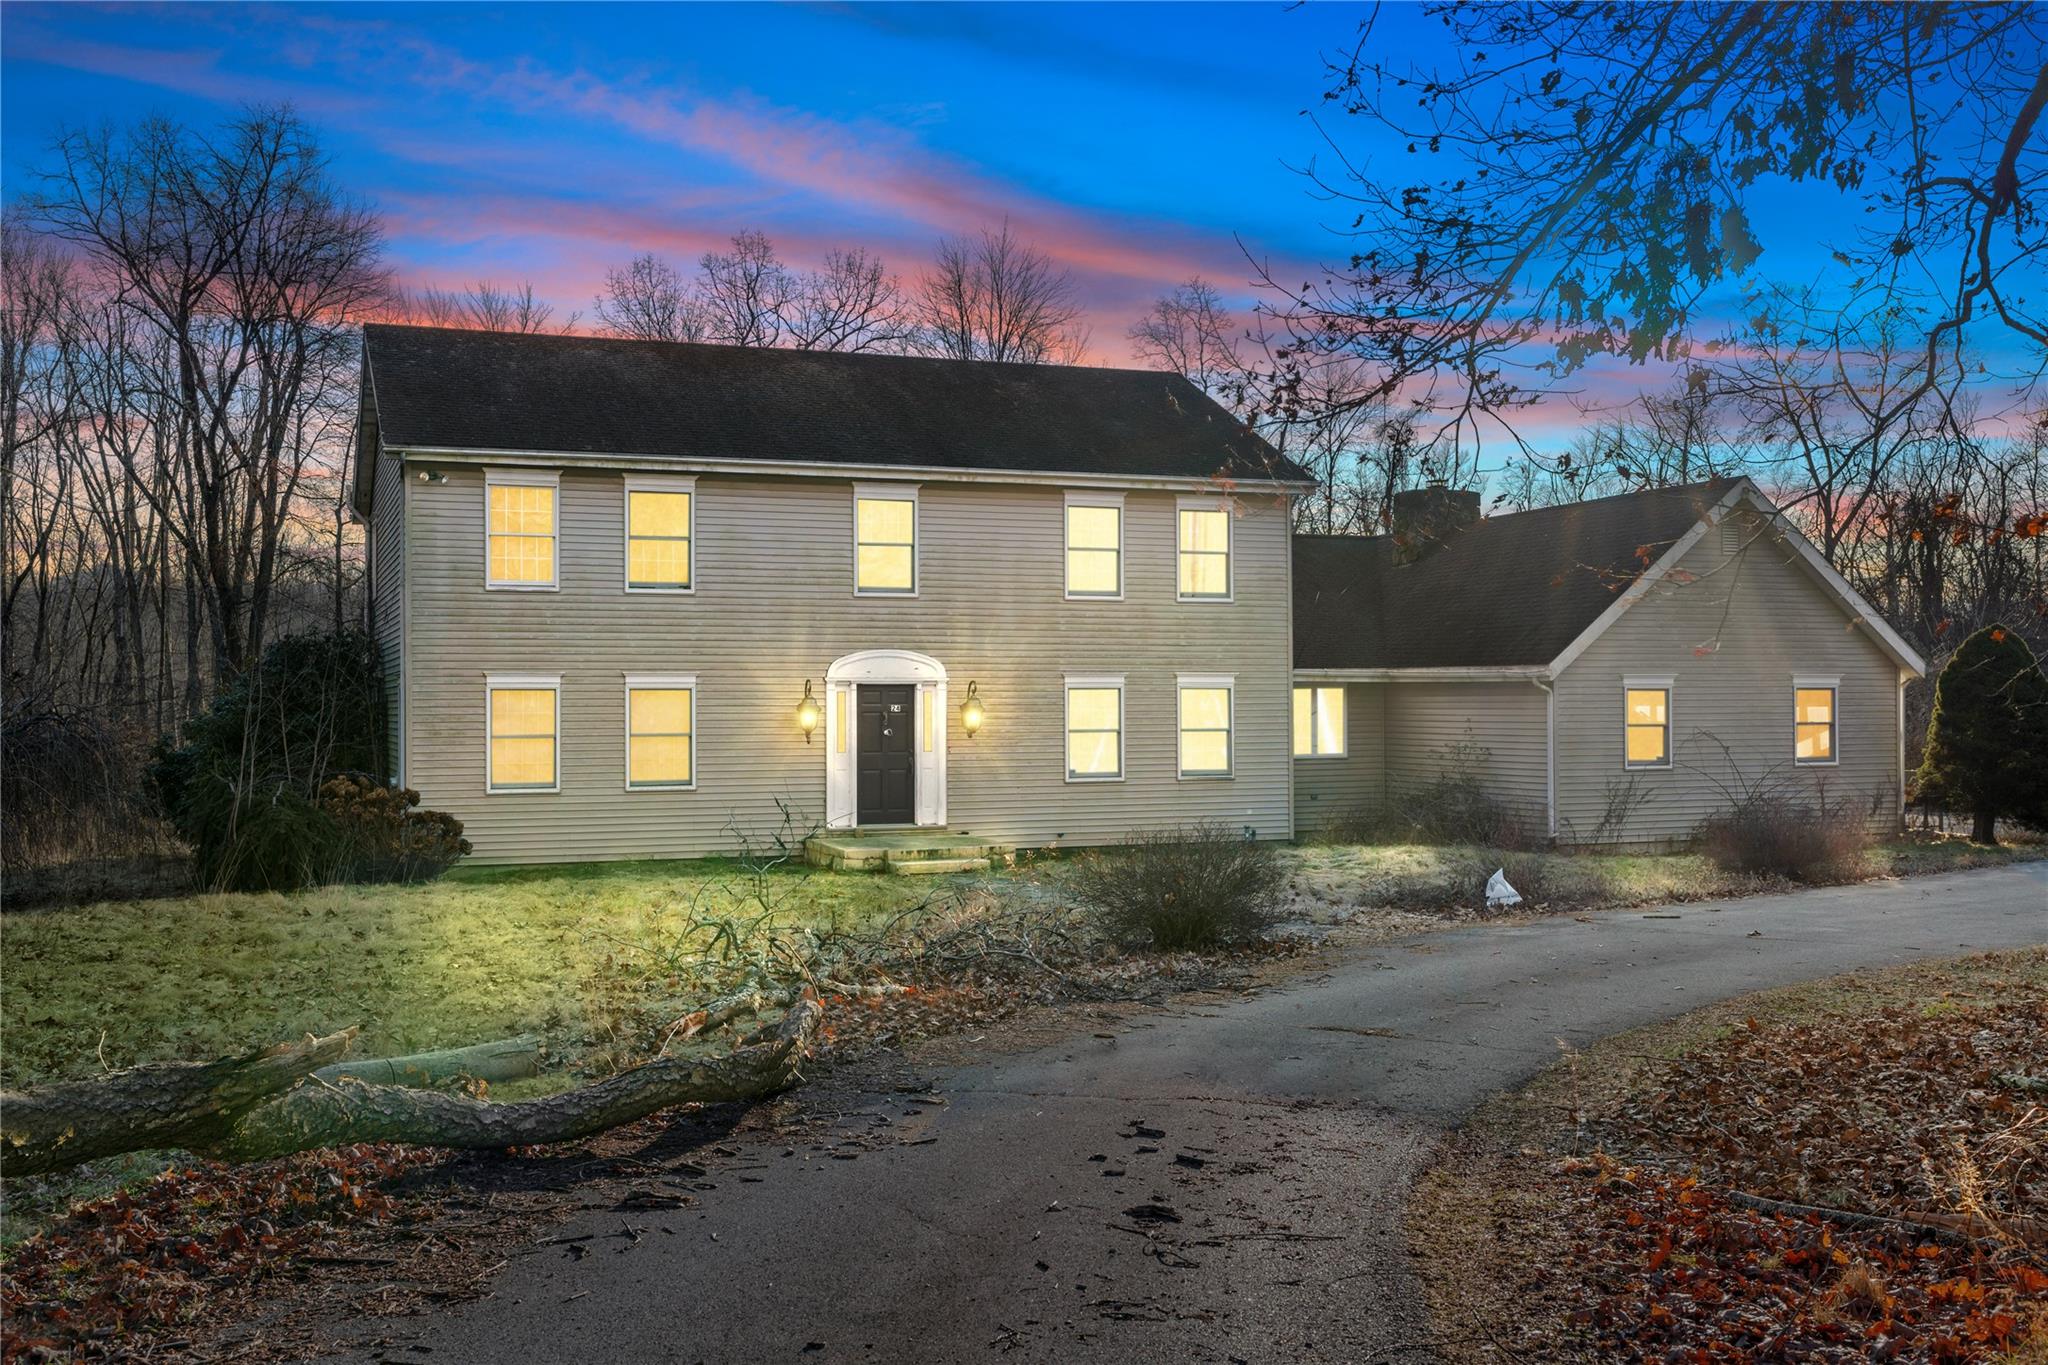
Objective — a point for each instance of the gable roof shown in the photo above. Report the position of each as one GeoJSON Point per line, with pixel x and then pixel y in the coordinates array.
{"type": "Point", "coordinates": [443, 389]}
{"type": "Point", "coordinates": [1510, 591]}
{"type": "Point", "coordinates": [1527, 591]}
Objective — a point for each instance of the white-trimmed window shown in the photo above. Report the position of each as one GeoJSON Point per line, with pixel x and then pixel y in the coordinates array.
{"type": "Point", "coordinates": [523, 746]}
{"type": "Point", "coordinates": [1095, 545]}
{"type": "Point", "coordinates": [1095, 729]}
{"type": "Point", "coordinates": [661, 512]}
{"type": "Point", "coordinates": [1205, 713]}
{"type": "Point", "coordinates": [661, 731]}
{"type": "Point", "coordinates": [1646, 722]}
{"type": "Point", "coordinates": [1203, 573]}
{"type": "Point", "coordinates": [1319, 722]}
{"type": "Point", "coordinates": [520, 517]}
{"type": "Point", "coordinates": [885, 540]}
{"type": "Point", "coordinates": [1814, 721]}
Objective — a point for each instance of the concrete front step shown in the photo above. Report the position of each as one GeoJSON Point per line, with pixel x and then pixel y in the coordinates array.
{"type": "Point", "coordinates": [856, 852]}
{"type": "Point", "coordinates": [932, 867]}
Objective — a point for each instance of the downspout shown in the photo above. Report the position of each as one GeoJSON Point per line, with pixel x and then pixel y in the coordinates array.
{"type": "Point", "coordinates": [1550, 750]}
{"type": "Point", "coordinates": [1905, 680]}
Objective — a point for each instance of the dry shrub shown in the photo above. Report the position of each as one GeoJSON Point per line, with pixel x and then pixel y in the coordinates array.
{"type": "Point", "coordinates": [1195, 887]}
{"type": "Point", "coordinates": [72, 789]}
{"type": "Point", "coordinates": [1817, 844]}
{"type": "Point", "coordinates": [382, 836]}
{"type": "Point", "coordinates": [1454, 808]}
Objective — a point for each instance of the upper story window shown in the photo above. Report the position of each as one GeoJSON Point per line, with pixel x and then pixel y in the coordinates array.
{"type": "Point", "coordinates": [524, 733]}
{"type": "Point", "coordinates": [885, 540]}
{"type": "Point", "coordinates": [1813, 720]}
{"type": "Point", "coordinates": [661, 724]}
{"type": "Point", "coordinates": [1647, 722]}
{"type": "Point", "coordinates": [1204, 574]}
{"type": "Point", "coordinates": [1319, 722]}
{"type": "Point", "coordinates": [660, 533]}
{"type": "Point", "coordinates": [520, 520]}
{"type": "Point", "coordinates": [1095, 729]}
{"type": "Point", "coordinates": [1095, 545]}
{"type": "Point", "coordinates": [1205, 716]}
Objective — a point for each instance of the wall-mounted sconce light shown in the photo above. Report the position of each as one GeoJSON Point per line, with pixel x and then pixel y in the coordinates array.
{"type": "Point", "coordinates": [971, 714]}
{"type": "Point", "coordinates": [807, 712]}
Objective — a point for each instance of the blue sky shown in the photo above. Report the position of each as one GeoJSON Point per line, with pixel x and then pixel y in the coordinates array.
{"type": "Point", "coordinates": [1137, 144]}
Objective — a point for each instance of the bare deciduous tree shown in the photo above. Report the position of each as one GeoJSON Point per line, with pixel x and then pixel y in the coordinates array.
{"type": "Point", "coordinates": [1188, 332]}
{"type": "Point", "coordinates": [745, 292]}
{"type": "Point", "coordinates": [483, 307]}
{"type": "Point", "coordinates": [851, 304]}
{"type": "Point", "coordinates": [996, 297]}
{"type": "Point", "coordinates": [648, 300]}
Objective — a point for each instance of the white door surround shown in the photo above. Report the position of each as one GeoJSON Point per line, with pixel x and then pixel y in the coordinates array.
{"type": "Point", "coordinates": [842, 735]}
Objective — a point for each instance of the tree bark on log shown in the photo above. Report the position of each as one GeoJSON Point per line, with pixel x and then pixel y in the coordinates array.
{"type": "Point", "coordinates": [509, 1059]}
{"type": "Point", "coordinates": [168, 1104]}
{"type": "Point", "coordinates": [280, 1100]}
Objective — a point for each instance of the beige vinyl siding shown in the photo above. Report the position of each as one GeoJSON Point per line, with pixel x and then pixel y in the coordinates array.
{"type": "Point", "coordinates": [1326, 789]}
{"type": "Point", "coordinates": [1499, 729]}
{"type": "Point", "coordinates": [774, 605]}
{"type": "Point", "coordinates": [1731, 634]}
{"type": "Point", "coordinates": [387, 602]}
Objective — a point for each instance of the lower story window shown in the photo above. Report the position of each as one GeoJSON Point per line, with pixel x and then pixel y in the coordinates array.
{"type": "Point", "coordinates": [1205, 726]}
{"type": "Point", "coordinates": [1813, 721]}
{"type": "Point", "coordinates": [1319, 722]}
{"type": "Point", "coordinates": [1095, 729]}
{"type": "Point", "coordinates": [524, 733]}
{"type": "Point", "coordinates": [1647, 724]}
{"type": "Point", "coordinates": [661, 731]}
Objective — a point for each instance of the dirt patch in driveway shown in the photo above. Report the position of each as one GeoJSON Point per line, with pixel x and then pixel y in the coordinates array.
{"type": "Point", "coordinates": [1855, 1169]}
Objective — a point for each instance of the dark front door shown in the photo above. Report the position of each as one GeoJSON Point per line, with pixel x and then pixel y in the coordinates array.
{"type": "Point", "coordinates": [886, 775]}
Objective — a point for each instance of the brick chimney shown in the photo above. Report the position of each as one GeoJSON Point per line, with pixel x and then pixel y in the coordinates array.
{"type": "Point", "coordinates": [1424, 518]}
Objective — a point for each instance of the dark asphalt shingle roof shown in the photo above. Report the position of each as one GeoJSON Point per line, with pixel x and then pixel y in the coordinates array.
{"type": "Point", "coordinates": [467, 390]}
{"type": "Point", "coordinates": [1511, 590]}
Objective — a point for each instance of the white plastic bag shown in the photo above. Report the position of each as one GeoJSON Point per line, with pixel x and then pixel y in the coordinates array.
{"type": "Point", "coordinates": [1499, 895]}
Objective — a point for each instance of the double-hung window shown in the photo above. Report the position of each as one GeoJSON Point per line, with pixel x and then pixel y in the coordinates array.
{"type": "Point", "coordinates": [1319, 722]}
{"type": "Point", "coordinates": [1204, 554]}
{"type": "Point", "coordinates": [1095, 545]}
{"type": "Point", "coordinates": [660, 533]}
{"type": "Point", "coordinates": [522, 750]}
{"type": "Point", "coordinates": [1205, 725]}
{"type": "Point", "coordinates": [1095, 729]}
{"type": "Point", "coordinates": [885, 540]}
{"type": "Point", "coordinates": [1813, 721]}
{"type": "Point", "coordinates": [1646, 722]}
{"type": "Point", "coordinates": [520, 528]}
{"type": "Point", "coordinates": [661, 731]}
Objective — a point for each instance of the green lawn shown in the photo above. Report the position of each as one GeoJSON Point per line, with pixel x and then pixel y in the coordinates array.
{"type": "Point", "coordinates": [490, 952]}
{"type": "Point", "coordinates": [484, 953]}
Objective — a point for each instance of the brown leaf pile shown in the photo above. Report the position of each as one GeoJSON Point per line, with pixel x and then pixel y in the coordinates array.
{"type": "Point", "coordinates": [141, 1261]}
{"type": "Point", "coordinates": [1668, 1270]}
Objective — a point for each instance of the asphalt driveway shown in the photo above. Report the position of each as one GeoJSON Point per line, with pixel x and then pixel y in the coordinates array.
{"type": "Point", "coordinates": [1217, 1184]}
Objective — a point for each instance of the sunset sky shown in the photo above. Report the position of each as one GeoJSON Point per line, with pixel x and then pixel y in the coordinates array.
{"type": "Point", "coordinates": [1137, 144]}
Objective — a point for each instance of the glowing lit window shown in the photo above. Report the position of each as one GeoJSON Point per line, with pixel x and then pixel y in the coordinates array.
{"type": "Point", "coordinates": [1647, 725]}
{"type": "Point", "coordinates": [1204, 555]}
{"type": "Point", "coordinates": [1095, 548]}
{"type": "Point", "coordinates": [523, 734]}
{"type": "Point", "coordinates": [659, 535]}
{"type": "Point", "coordinates": [520, 529]}
{"type": "Point", "coordinates": [885, 541]}
{"type": "Point", "coordinates": [1205, 727]}
{"type": "Point", "coordinates": [661, 732]}
{"type": "Point", "coordinates": [1095, 729]}
{"type": "Point", "coordinates": [1319, 722]}
{"type": "Point", "coordinates": [1813, 723]}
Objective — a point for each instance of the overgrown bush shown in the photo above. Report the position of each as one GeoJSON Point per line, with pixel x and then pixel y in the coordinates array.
{"type": "Point", "coordinates": [247, 787]}
{"type": "Point", "coordinates": [1453, 808]}
{"type": "Point", "coordinates": [381, 835]}
{"type": "Point", "coordinates": [1815, 844]}
{"type": "Point", "coordinates": [69, 790]}
{"type": "Point", "coordinates": [1199, 887]}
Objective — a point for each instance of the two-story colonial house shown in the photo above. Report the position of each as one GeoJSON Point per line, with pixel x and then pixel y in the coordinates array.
{"type": "Point", "coordinates": [634, 596]}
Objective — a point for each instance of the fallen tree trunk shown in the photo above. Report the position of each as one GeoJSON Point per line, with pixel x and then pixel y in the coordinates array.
{"type": "Point", "coordinates": [279, 1101]}
{"type": "Point", "coordinates": [169, 1104]}
{"type": "Point", "coordinates": [509, 1059]}
{"type": "Point", "coordinates": [329, 1115]}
